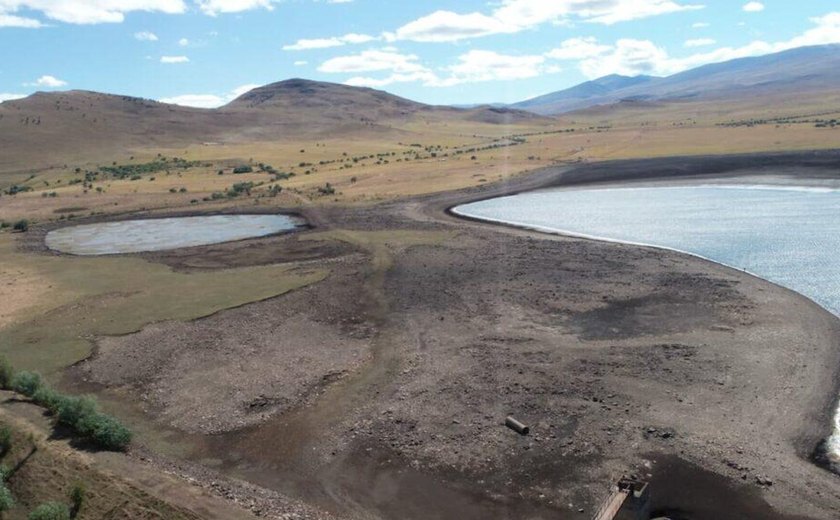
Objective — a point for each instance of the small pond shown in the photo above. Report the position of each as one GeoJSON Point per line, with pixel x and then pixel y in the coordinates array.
{"type": "Point", "coordinates": [160, 234]}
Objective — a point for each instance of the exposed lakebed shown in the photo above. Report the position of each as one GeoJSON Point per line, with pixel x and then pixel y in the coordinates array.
{"type": "Point", "coordinates": [786, 234]}
{"type": "Point", "coordinates": [160, 234]}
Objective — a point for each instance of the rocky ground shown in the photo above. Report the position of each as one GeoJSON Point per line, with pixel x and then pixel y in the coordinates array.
{"type": "Point", "coordinates": [382, 391]}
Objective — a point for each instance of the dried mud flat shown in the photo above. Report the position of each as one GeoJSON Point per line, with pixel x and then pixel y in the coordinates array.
{"type": "Point", "coordinates": [381, 392]}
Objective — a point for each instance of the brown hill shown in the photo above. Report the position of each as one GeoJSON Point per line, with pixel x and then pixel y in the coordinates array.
{"type": "Point", "coordinates": [49, 129]}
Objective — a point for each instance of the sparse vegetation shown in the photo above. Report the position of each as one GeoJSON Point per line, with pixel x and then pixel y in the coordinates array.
{"type": "Point", "coordinates": [77, 498]}
{"type": "Point", "coordinates": [136, 171]}
{"type": "Point", "coordinates": [21, 225]}
{"type": "Point", "coordinates": [79, 413]}
{"type": "Point", "coordinates": [50, 511]}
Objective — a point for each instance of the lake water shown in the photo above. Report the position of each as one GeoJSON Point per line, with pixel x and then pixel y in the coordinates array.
{"type": "Point", "coordinates": [134, 236]}
{"type": "Point", "coordinates": [789, 235]}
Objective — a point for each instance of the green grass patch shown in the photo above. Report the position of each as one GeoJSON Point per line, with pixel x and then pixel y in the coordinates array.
{"type": "Point", "coordinates": [101, 296]}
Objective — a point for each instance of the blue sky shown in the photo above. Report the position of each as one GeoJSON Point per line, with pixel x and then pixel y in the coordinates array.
{"type": "Point", "coordinates": [204, 52]}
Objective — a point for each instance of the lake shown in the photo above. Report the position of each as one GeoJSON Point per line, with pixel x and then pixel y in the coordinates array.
{"type": "Point", "coordinates": [134, 236]}
{"type": "Point", "coordinates": [785, 234]}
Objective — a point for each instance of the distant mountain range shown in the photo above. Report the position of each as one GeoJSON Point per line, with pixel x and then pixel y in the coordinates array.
{"type": "Point", "coordinates": [805, 69]}
{"type": "Point", "coordinates": [78, 125]}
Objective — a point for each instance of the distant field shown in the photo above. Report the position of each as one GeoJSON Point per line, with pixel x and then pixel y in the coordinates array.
{"type": "Point", "coordinates": [370, 168]}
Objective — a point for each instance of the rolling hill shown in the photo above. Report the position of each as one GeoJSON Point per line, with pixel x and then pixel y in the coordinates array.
{"type": "Point", "coordinates": [49, 129]}
{"type": "Point", "coordinates": [796, 71]}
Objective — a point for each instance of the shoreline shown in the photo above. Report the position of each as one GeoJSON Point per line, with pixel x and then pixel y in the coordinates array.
{"type": "Point", "coordinates": [608, 334]}
{"type": "Point", "coordinates": [819, 454]}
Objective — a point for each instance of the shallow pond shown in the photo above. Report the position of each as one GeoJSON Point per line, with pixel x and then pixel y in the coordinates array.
{"type": "Point", "coordinates": [134, 236]}
{"type": "Point", "coordinates": [785, 234]}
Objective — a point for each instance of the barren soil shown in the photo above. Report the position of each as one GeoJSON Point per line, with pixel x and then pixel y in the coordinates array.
{"type": "Point", "coordinates": [382, 391]}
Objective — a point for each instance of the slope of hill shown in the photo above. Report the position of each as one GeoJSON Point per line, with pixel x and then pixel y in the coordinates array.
{"type": "Point", "coordinates": [580, 96]}
{"type": "Point", "coordinates": [70, 125]}
{"type": "Point", "coordinates": [76, 126]}
{"type": "Point", "coordinates": [796, 71]}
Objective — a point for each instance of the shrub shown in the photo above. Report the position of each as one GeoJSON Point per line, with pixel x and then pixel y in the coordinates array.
{"type": "Point", "coordinates": [7, 501]}
{"type": "Point", "coordinates": [77, 497]}
{"type": "Point", "coordinates": [21, 225]}
{"type": "Point", "coordinates": [73, 411]}
{"type": "Point", "coordinates": [26, 383]}
{"type": "Point", "coordinates": [243, 169]}
{"type": "Point", "coordinates": [48, 398]}
{"type": "Point", "coordinates": [6, 373]}
{"type": "Point", "coordinates": [5, 440]}
{"type": "Point", "coordinates": [107, 432]}
{"type": "Point", "coordinates": [50, 511]}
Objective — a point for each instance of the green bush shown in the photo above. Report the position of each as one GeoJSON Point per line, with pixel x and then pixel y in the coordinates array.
{"type": "Point", "coordinates": [26, 383]}
{"type": "Point", "coordinates": [48, 398]}
{"type": "Point", "coordinates": [21, 225]}
{"type": "Point", "coordinates": [50, 511]}
{"type": "Point", "coordinates": [73, 411]}
{"type": "Point", "coordinates": [7, 501]}
{"type": "Point", "coordinates": [106, 432]}
{"type": "Point", "coordinates": [77, 497]}
{"type": "Point", "coordinates": [6, 373]}
{"type": "Point", "coordinates": [82, 415]}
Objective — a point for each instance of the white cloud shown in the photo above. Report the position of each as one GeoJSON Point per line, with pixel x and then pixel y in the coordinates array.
{"type": "Point", "coordinates": [753, 7]}
{"type": "Point", "coordinates": [426, 77]}
{"type": "Point", "coordinates": [174, 59]}
{"type": "Point", "coordinates": [5, 96]}
{"type": "Point", "coordinates": [471, 67]}
{"type": "Point", "coordinates": [478, 66]}
{"type": "Point", "coordinates": [325, 43]}
{"type": "Point", "coordinates": [373, 61]}
{"type": "Point", "coordinates": [517, 15]}
{"type": "Point", "coordinates": [632, 57]}
{"type": "Point", "coordinates": [183, 42]}
{"type": "Point", "coordinates": [216, 7]}
{"type": "Point", "coordinates": [9, 20]}
{"type": "Point", "coordinates": [146, 36]}
{"type": "Point", "coordinates": [700, 42]}
{"type": "Point", "coordinates": [699, 25]}
{"type": "Point", "coordinates": [446, 26]}
{"type": "Point", "coordinates": [47, 81]}
{"type": "Point", "coordinates": [84, 11]}
{"type": "Point", "coordinates": [578, 48]}
{"type": "Point", "coordinates": [301, 63]}
{"type": "Point", "coordinates": [208, 100]}
{"type": "Point", "coordinates": [628, 57]}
